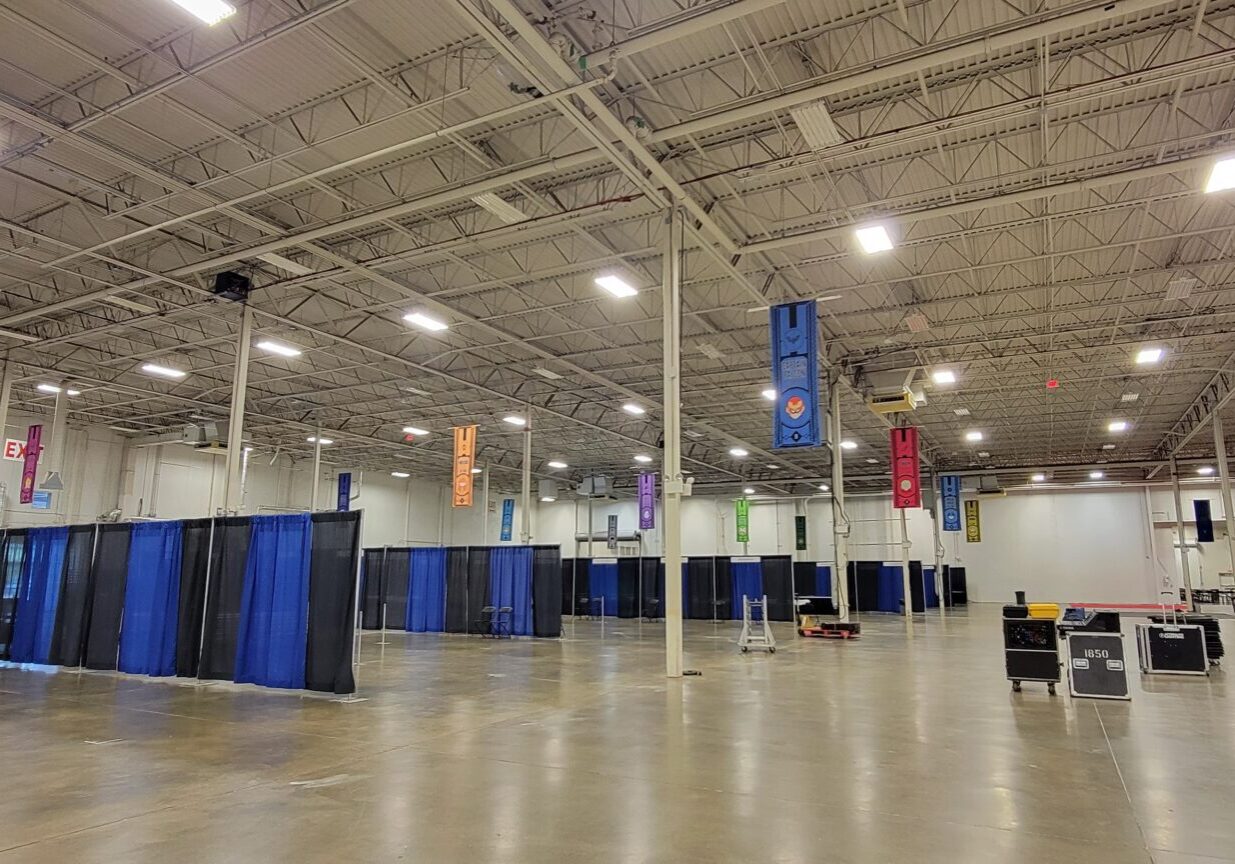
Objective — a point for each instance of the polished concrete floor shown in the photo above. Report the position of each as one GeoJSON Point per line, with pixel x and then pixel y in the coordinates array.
{"type": "Point", "coordinates": [901, 747]}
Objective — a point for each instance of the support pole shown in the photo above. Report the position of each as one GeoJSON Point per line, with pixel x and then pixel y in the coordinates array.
{"type": "Point", "coordinates": [1224, 476]}
{"type": "Point", "coordinates": [525, 523]}
{"type": "Point", "coordinates": [840, 521]}
{"type": "Point", "coordinates": [233, 494]}
{"type": "Point", "coordinates": [905, 580]}
{"type": "Point", "coordinates": [6, 394]}
{"type": "Point", "coordinates": [943, 606]}
{"type": "Point", "coordinates": [1179, 529]}
{"type": "Point", "coordinates": [317, 467]}
{"type": "Point", "coordinates": [673, 486]}
{"type": "Point", "coordinates": [484, 491]}
{"type": "Point", "coordinates": [53, 481]}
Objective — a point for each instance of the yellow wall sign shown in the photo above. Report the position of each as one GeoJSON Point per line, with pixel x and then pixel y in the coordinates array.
{"type": "Point", "coordinates": [973, 522]}
{"type": "Point", "coordinates": [465, 460]}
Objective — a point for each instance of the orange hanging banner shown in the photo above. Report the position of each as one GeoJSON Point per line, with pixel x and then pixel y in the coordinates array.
{"type": "Point", "coordinates": [465, 461]}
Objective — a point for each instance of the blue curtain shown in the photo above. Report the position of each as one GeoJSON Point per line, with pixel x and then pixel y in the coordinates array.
{"type": "Point", "coordinates": [274, 610]}
{"type": "Point", "coordinates": [426, 594]}
{"type": "Point", "coordinates": [510, 584]}
{"type": "Point", "coordinates": [151, 599]}
{"type": "Point", "coordinates": [928, 587]}
{"type": "Point", "coordinates": [747, 579]}
{"type": "Point", "coordinates": [38, 593]}
{"type": "Point", "coordinates": [823, 581]}
{"type": "Point", "coordinates": [603, 581]}
{"type": "Point", "coordinates": [890, 588]}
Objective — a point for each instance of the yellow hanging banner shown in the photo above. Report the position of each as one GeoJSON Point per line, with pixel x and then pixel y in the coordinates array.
{"type": "Point", "coordinates": [465, 460]}
{"type": "Point", "coordinates": [973, 522]}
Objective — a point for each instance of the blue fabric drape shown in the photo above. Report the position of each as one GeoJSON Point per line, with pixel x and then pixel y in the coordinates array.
{"type": "Point", "coordinates": [510, 584]}
{"type": "Point", "coordinates": [891, 588]}
{"type": "Point", "coordinates": [928, 588]}
{"type": "Point", "coordinates": [274, 610]}
{"type": "Point", "coordinates": [38, 593]}
{"type": "Point", "coordinates": [426, 594]}
{"type": "Point", "coordinates": [823, 581]}
{"type": "Point", "coordinates": [603, 581]}
{"type": "Point", "coordinates": [747, 577]}
{"type": "Point", "coordinates": [151, 599]}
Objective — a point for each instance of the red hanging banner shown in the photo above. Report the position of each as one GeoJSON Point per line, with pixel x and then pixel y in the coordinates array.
{"type": "Point", "coordinates": [906, 479]}
{"type": "Point", "coordinates": [30, 466]}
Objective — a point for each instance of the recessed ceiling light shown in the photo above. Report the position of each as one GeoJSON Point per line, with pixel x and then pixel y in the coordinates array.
{"type": "Point", "coordinates": [210, 11]}
{"type": "Point", "coordinates": [738, 452]}
{"type": "Point", "coordinates": [1096, 475]}
{"type": "Point", "coordinates": [400, 474]}
{"type": "Point", "coordinates": [547, 500]}
{"type": "Point", "coordinates": [557, 464]}
{"type": "Point", "coordinates": [1221, 176]}
{"type": "Point", "coordinates": [849, 445]}
{"type": "Point", "coordinates": [873, 238]}
{"type": "Point", "coordinates": [1038, 478]}
{"type": "Point", "coordinates": [639, 457]}
{"type": "Point", "coordinates": [1117, 426]}
{"type": "Point", "coordinates": [872, 461]}
{"type": "Point", "coordinates": [632, 408]}
{"type": "Point", "coordinates": [1149, 355]}
{"type": "Point", "coordinates": [279, 348]}
{"type": "Point", "coordinates": [773, 467]}
{"type": "Point", "coordinates": [943, 376]}
{"type": "Point", "coordinates": [1205, 470]}
{"type": "Point", "coordinates": [973, 435]}
{"type": "Point", "coordinates": [425, 322]}
{"type": "Point", "coordinates": [1129, 397]}
{"type": "Point", "coordinates": [414, 430]}
{"type": "Point", "coordinates": [312, 439]}
{"type": "Point", "coordinates": [1108, 446]}
{"type": "Point", "coordinates": [982, 454]}
{"type": "Point", "coordinates": [616, 285]}
{"type": "Point", "coordinates": [823, 487]}
{"type": "Point", "coordinates": [961, 412]}
{"type": "Point", "coordinates": [514, 420]}
{"type": "Point", "coordinates": [748, 491]}
{"type": "Point", "coordinates": [162, 371]}
{"type": "Point", "coordinates": [769, 394]}
{"type": "Point", "coordinates": [476, 470]}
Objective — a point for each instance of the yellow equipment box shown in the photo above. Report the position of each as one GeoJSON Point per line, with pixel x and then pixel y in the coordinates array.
{"type": "Point", "coordinates": [1044, 610]}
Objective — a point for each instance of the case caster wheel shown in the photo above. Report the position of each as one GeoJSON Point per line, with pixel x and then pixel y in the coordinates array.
{"type": "Point", "coordinates": [1016, 686]}
{"type": "Point", "coordinates": [1050, 688]}
{"type": "Point", "coordinates": [771, 650]}
{"type": "Point", "coordinates": [745, 649]}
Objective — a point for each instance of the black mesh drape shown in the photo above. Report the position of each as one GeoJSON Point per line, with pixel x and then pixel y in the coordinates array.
{"type": "Point", "coordinates": [69, 635]}
{"type": "Point", "coordinates": [723, 600]}
{"type": "Point", "coordinates": [698, 596]}
{"type": "Point", "coordinates": [583, 585]}
{"type": "Point", "coordinates": [11, 564]}
{"type": "Point", "coordinates": [546, 591]}
{"type": "Point", "coordinates": [568, 588]}
{"type": "Point", "coordinates": [194, 564]}
{"type": "Point", "coordinates": [372, 589]}
{"type": "Point", "coordinates": [915, 586]}
{"type": "Point", "coordinates": [456, 589]}
{"type": "Point", "coordinates": [864, 586]}
{"type": "Point", "coordinates": [959, 586]}
{"type": "Point", "coordinates": [228, 555]}
{"type": "Point", "coordinates": [395, 578]}
{"type": "Point", "coordinates": [110, 572]}
{"type": "Point", "coordinates": [628, 587]}
{"type": "Point", "coordinates": [333, 554]}
{"type": "Point", "coordinates": [804, 578]}
{"type": "Point", "coordinates": [477, 583]}
{"type": "Point", "coordinates": [778, 586]}
{"type": "Point", "coordinates": [652, 575]}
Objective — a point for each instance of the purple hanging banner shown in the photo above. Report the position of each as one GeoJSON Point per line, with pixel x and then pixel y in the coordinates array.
{"type": "Point", "coordinates": [647, 501]}
{"type": "Point", "coordinates": [30, 468]}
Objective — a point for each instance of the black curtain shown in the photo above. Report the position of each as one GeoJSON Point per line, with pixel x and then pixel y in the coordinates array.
{"type": "Point", "coordinates": [583, 585]}
{"type": "Point", "coordinates": [456, 589]}
{"type": "Point", "coordinates": [546, 591]}
{"type": "Point", "coordinates": [333, 554]}
{"type": "Point", "coordinates": [723, 601]}
{"type": "Point", "coordinates": [864, 586]}
{"type": "Point", "coordinates": [778, 586]}
{"type": "Point", "coordinates": [628, 587]}
{"type": "Point", "coordinates": [372, 589]}
{"type": "Point", "coordinates": [652, 573]}
{"type": "Point", "coordinates": [960, 589]}
{"type": "Point", "coordinates": [69, 635]}
{"type": "Point", "coordinates": [194, 570]}
{"type": "Point", "coordinates": [804, 578]}
{"type": "Point", "coordinates": [111, 571]}
{"type": "Point", "coordinates": [568, 572]}
{"type": "Point", "coordinates": [699, 595]}
{"type": "Point", "coordinates": [916, 587]}
{"type": "Point", "coordinates": [395, 579]}
{"type": "Point", "coordinates": [228, 556]}
{"type": "Point", "coordinates": [477, 582]}
{"type": "Point", "coordinates": [11, 564]}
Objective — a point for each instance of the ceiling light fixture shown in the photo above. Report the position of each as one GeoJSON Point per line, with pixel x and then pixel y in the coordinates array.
{"type": "Point", "coordinates": [632, 408]}
{"type": "Point", "coordinates": [1038, 478]}
{"type": "Point", "coordinates": [210, 11]}
{"type": "Point", "coordinates": [943, 376]}
{"type": "Point", "coordinates": [982, 454]}
{"type": "Point", "coordinates": [163, 371]}
{"type": "Point", "coordinates": [773, 467]}
{"type": "Point", "coordinates": [738, 452]}
{"type": "Point", "coordinates": [616, 285]}
{"type": "Point", "coordinates": [476, 470]}
{"type": "Point", "coordinates": [1117, 426]}
{"type": "Point", "coordinates": [1205, 470]}
{"type": "Point", "coordinates": [547, 500]}
{"type": "Point", "coordinates": [823, 487]}
{"type": "Point", "coordinates": [47, 388]}
{"type": "Point", "coordinates": [1096, 475]}
{"type": "Point", "coordinates": [1129, 397]}
{"type": "Point", "coordinates": [546, 373]}
{"type": "Point", "coordinates": [849, 445]}
{"type": "Point", "coordinates": [961, 412]}
{"type": "Point", "coordinates": [1108, 446]}
{"type": "Point", "coordinates": [639, 457]}
{"type": "Point", "coordinates": [558, 464]}
{"type": "Point", "coordinates": [1221, 176]}
{"type": "Point", "coordinates": [748, 491]}
{"type": "Point", "coordinates": [312, 439]}
{"type": "Point", "coordinates": [973, 435]}
{"type": "Point", "coordinates": [769, 394]}
{"type": "Point", "coordinates": [279, 348]}
{"type": "Point", "coordinates": [402, 475]}
{"type": "Point", "coordinates": [514, 420]}
{"type": "Point", "coordinates": [1149, 355]}
{"type": "Point", "coordinates": [873, 239]}
{"type": "Point", "coordinates": [816, 125]}
{"type": "Point", "coordinates": [425, 322]}
{"type": "Point", "coordinates": [414, 430]}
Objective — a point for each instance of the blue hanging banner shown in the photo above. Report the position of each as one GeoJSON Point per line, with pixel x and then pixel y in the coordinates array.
{"type": "Point", "coordinates": [1204, 521]}
{"type": "Point", "coordinates": [345, 492]}
{"type": "Point", "coordinates": [508, 518]}
{"type": "Point", "coordinates": [797, 420]}
{"type": "Point", "coordinates": [950, 501]}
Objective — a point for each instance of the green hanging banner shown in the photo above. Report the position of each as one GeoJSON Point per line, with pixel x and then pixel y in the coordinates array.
{"type": "Point", "coordinates": [743, 520]}
{"type": "Point", "coordinates": [799, 530]}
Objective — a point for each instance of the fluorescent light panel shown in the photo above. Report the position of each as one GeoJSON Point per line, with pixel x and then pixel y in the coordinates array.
{"type": "Point", "coordinates": [313, 440]}
{"type": "Point", "coordinates": [163, 371]}
{"type": "Point", "coordinates": [279, 348]}
{"type": "Point", "coordinates": [770, 394]}
{"type": "Point", "coordinates": [1149, 355]}
{"type": "Point", "coordinates": [414, 430]}
{"type": "Point", "coordinates": [1205, 471]}
{"type": "Point", "coordinates": [403, 475]}
{"type": "Point", "coordinates": [973, 435]}
{"type": "Point", "coordinates": [1117, 426]}
{"type": "Point", "coordinates": [943, 376]}
{"type": "Point", "coordinates": [425, 322]}
{"type": "Point", "coordinates": [748, 491]}
{"type": "Point", "coordinates": [1221, 176]}
{"type": "Point", "coordinates": [849, 445]}
{"type": "Point", "coordinates": [616, 285]}
{"type": "Point", "coordinates": [507, 212]}
{"type": "Point", "coordinates": [632, 408]}
{"type": "Point", "coordinates": [873, 239]}
{"type": "Point", "coordinates": [639, 457]}
{"type": "Point", "coordinates": [816, 125]}
{"type": "Point", "coordinates": [125, 303]}
{"type": "Point", "coordinates": [738, 452]}
{"type": "Point", "coordinates": [557, 463]}
{"type": "Point", "coordinates": [1129, 397]}
{"type": "Point", "coordinates": [210, 11]}
{"type": "Point", "coordinates": [1038, 478]}
{"type": "Point", "coordinates": [1096, 475]}
{"type": "Point", "coordinates": [823, 487]}
{"type": "Point", "coordinates": [961, 412]}
{"type": "Point", "coordinates": [546, 373]}
{"type": "Point", "coordinates": [514, 420]}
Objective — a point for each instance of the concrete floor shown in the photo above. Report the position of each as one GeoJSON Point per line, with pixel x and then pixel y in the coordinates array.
{"type": "Point", "coordinates": [896, 748]}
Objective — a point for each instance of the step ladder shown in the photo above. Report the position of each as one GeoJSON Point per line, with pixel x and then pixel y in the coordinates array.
{"type": "Point", "coordinates": [751, 637]}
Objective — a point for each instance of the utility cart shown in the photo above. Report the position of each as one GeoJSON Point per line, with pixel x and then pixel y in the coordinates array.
{"type": "Point", "coordinates": [1030, 648]}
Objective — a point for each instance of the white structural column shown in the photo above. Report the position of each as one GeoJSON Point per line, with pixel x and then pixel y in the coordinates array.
{"type": "Point", "coordinates": [1179, 530]}
{"type": "Point", "coordinates": [840, 521]}
{"type": "Point", "coordinates": [943, 606]}
{"type": "Point", "coordinates": [317, 467]}
{"type": "Point", "coordinates": [6, 393]}
{"type": "Point", "coordinates": [233, 494]}
{"type": "Point", "coordinates": [484, 492]}
{"type": "Point", "coordinates": [672, 485]}
{"type": "Point", "coordinates": [1224, 477]}
{"type": "Point", "coordinates": [525, 523]}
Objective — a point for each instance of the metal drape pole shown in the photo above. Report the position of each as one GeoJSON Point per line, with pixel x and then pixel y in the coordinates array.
{"type": "Point", "coordinates": [525, 523]}
{"type": "Point", "coordinates": [673, 485]}
{"type": "Point", "coordinates": [201, 638]}
{"type": "Point", "coordinates": [1224, 476]}
{"type": "Point", "coordinates": [938, 546]}
{"type": "Point", "coordinates": [591, 549]}
{"type": "Point", "coordinates": [1179, 529]}
{"type": "Point", "coordinates": [905, 580]}
{"type": "Point", "coordinates": [381, 589]}
{"type": "Point", "coordinates": [317, 467]}
{"type": "Point", "coordinates": [356, 612]}
{"type": "Point", "coordinates": [840, 521]}
{"type": "Point", "coordinates": [485, 494]}
{"type": "Point", "coordinates": [6, 393]}
{"type": "Point", "coordinates": [233, 495]}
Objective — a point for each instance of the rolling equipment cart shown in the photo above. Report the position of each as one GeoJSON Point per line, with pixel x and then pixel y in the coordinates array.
{"type": "Point", "coordinates": [1030, 648]}
{"type": "Point", "coordinates": [750, 637]}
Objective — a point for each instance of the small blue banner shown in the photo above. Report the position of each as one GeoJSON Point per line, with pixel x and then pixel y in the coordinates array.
{"type": "Point", "coordinates": [41, 501]}
{"type": "Point", "coordinates": [345, 492]}
{"type": "Point", "coordinates": [797, 420]}
{"type": "Point", "coordinates": [1204, 520]}
{"type": "Point", "coordinates": [508, 518]}
{"type": "Point", "coordinates": [950, 501]}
